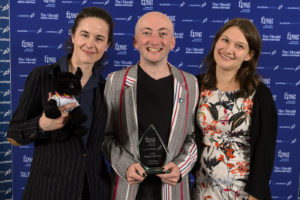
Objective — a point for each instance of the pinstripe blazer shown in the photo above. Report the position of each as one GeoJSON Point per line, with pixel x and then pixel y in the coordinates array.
{"type": "Point", "coordinates": [121, 134]}
{"type": "Point", "coordinates": [58, 168]}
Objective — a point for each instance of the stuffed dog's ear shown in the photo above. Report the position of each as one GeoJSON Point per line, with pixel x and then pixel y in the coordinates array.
{"type": "Point", "coordinates": [56, 70]}
{"type": "Point", "coordinates": [78, 73]}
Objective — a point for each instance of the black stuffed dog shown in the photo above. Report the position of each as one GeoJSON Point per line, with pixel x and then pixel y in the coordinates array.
{"type": "Point", "coordinates": [66, 86]}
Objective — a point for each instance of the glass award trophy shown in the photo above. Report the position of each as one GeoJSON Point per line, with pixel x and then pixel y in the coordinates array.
{"type": "Point", "coordinates": [153, 152]}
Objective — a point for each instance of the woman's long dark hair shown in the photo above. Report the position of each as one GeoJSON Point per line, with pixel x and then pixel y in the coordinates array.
{"type": "Point", "coordinates": [246, 75]}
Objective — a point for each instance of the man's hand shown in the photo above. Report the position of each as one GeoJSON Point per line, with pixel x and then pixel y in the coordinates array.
{"type": "Point", "coordinates": [47, 124]}
{"type": "Point", "coordinates": [135, 173]}
{"type": "Point", "coordinates": [173, 177]}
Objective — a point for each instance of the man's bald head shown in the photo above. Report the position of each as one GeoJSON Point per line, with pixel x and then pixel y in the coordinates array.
{"type": "Point", "coordinates": [152, 17]}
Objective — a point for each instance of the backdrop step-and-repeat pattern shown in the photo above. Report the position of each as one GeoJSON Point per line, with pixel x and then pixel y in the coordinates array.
{"type": "Point", "coordinates": [33, 33]}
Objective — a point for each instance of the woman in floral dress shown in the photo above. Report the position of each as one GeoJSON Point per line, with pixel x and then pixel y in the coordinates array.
{"type": "Point", "coordinates": [237, 119]}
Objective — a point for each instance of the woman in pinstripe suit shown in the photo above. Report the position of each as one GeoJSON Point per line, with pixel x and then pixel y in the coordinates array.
{"type": "Point", "coordinates": [72, 169]}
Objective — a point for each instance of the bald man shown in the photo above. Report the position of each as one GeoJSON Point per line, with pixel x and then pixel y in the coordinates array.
{"type": "Point", "coordinates": [152, 92]}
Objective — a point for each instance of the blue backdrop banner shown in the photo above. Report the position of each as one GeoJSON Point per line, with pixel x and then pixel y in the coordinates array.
{"type": "Point", "coordinates": [39, 28]}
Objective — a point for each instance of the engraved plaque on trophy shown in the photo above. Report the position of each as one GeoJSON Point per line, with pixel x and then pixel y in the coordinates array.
{"type": "Point", "coordinates": [153, 151]}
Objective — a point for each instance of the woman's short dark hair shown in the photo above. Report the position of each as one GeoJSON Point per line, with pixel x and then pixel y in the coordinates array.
{"type": "Point", "coordinates": [246, 75]}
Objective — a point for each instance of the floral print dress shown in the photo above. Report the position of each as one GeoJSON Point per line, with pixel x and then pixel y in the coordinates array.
{"type": "Point", "coordinates": [224, 120]}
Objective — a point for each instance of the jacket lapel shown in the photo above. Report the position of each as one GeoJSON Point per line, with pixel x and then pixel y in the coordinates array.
{"type": "Point", "coordinates": [178, 114]}
{"type": "Point", "coordinates": [130, 108]}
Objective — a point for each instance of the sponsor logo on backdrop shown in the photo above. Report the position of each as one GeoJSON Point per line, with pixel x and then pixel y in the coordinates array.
{"type": "Point", "coordinates": [101, 2]}
{"type": "Point", "coordinates": [26, 1]}
{"type": "Point", "coordinates": [193, 66]}
{"type": "Point", "coordinates": [58, 32]}
{"type": "Point", "coordinates": [27, 160]}
{"type": "Point", "coordinates": [7, 191]}
{"type": "Point", "coordinates": [287, 83]}
{"type": "Point", "coordinates": [122, 63]}
{"type": "Point", "coordinates": [179, 65]}
{"type": "Point", "coordinates": [177, 49]}
{"type": "Point", "coordinates": [49, 60]}
{"type": "Point", "coordinates": [201, 5]}
{"type": "Point", "coordinates": [70, 16]}
{"type": "Point", "coordinates": [196, 35]}
{"type": "Point", "coordinates": [288, 197]}
{"type": "Point", "coordinates": [5, 72]}
{"type": "Point", "coordinates": [123, 34]}
{"type": "Point", "coordinates": [179, 35]}
{"type": "Point", "coordinates": [222, 21]}
{"type": "Point", "coordinates": [290, 98]}
{"type": "Point", "coordinates": [50, 46]}
{"type": "Point", "coordinates": [129, 18]}
{"type": "Point", "coordinates": [124, 3]}
{"type": "Point", "coordinates": [274, 97]}
{"type": "Point", "coordinates": [38, 31]}
{"type": "Point", "coordinates": [282, 169]}
{"type": "Point", "coordinates": [271, 53]}
{"type": "Point", "coordinates": [4, 8]}
{"type": "Point", "coordinates": [290, 53]}
{"type": "Point", "coordinates": [286, 112]}
{"type": "Point", "coordinates": [6, 172]}
{"type": "Point", "coordinates": [271, 38]}
{"type": "Point", "coordinates": [147, 4]}
{"type": "Point", "coordinates": [5, 51]}
{"type": "Point", "coordinates": [264, 7]}
{"type": "Point", "coordinates": [4, 133]}
{"type": "Point", "coordinates": [292, 38]}
{"type": "Point", "coordinates": [27, 45]}
{"type": "Point", "coordinates": [6, 153]}
{"type": "Point", "coordinates": [121, 49]}
{"type": "Point", "coordinates": [50, 3]}
{"type": "Point", "coordinates": [193, 50]}
{"type": "Point", "coordinates": [291, 127]}
{"type": "Point", "coordinates": [203, 21]}
{"type": "Point", "coordinates": [267, 22]}
{"type": "Point", "coordinates": [5, 93]}
{"type": "Point", "coordinates": [5, 39]}
{"type": "Point", "coordinates": [274, 68]}
{"type": "Point", "coordinates": [297, 8]}
{"type": "Point", "coordinates": [267, 81]}
{"type": "Point", "coordinates": [290, 141]}
{"type": "Point", "coordinates": [30, 16]}
{"type": "Point", "coordinates": [74, 2]}
{"type": "Point", "coordinates": [5, 114]}
{"type": "Point", "coordinates": [4, 61]}
{"type": "Point", "coordinates": [283, 156]}
{"type": "Point", "coordinates": [4, 30]}
{"type": "Point", "coordinates": [220, 6]}
{"type": "Point", "coordinates": [245, 6]}
{"type": "Point", "coordinates": [286, 183]}
{"type": "Point", "coordinates": [289, 23]}
{"type": "Point", "coordinates": [182, 4]}
{"type": "Point", "coordinates": [49, 16]}
{"type": "Point", "coordinates": [24, 174]}
{"type": "Point", "coordinates": [26, 60]}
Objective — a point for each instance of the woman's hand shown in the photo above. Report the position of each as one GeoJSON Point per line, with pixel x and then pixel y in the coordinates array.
{"type": "Point", "coordinates": [48, 124]}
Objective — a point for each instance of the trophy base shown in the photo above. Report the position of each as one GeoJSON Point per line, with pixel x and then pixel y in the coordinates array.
{"type": "Point", "coordinates": [157, 170]}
